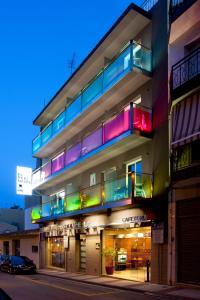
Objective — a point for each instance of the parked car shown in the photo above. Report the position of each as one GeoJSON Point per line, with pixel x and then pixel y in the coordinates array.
{"type": "Point", "coordinates": [2, 258]}
{"type": "Point", "coordinates": [18, 264]}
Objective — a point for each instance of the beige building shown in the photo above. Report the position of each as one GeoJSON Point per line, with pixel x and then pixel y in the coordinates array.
{"type": "Point", "coordinates": [24, 243]}
{"type": "Point", "coordinates": [103, 145]}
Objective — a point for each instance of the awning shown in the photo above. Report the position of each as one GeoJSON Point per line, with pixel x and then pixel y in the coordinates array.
{"type": "Point", "coordinates": [186, 120]}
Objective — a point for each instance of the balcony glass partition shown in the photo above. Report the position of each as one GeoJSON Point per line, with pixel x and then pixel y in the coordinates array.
{"type": "Point", "coordinates": [73, 109]}
{"type": "Point", "coordinates": [91, 196]}
{"type": "Point", "coordinates": [113, 128]}
{"type": "Point", "coordinates": [72, 202]}
{"type": "Point", "coordinates": [59, 122]}
{"type": "Point", "coordinates": [142, 119]}
{"type": "Point", "coordinates": [58, 162]}
{"type": "Point", "coordinates": [117, 189]}
{"type": "Point", "coordinates": [117, 69]}
{"type": "Point", "coordinates": [46, 134]}
{"type": "Point", "coordinates": [45, 171]}
{"type": "Point", "coordinates": [36, 144]}
{"type": "Point", "coordinates": [92, 141]}
{"type": "Point", "coordinates": [117, 125]}
{"type": "Point", "coordinates": [73, 154]}
{"type": "Point", "coordinates": [133, 56]}
{"type": "Point", "coordinates": [46, 210]}
{"type": "Point", "coordinates": [92, 91]}
{"type": "Point", "coordinates": [36, 213]}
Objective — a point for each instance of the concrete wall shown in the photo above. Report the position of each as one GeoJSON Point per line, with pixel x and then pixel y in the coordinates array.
{"type": "Point", "coordinates": [93, 255]}
{"type": "Point", "coordinates": [13, 216]}
{"type": "Point", "coordinates": [26, 248]}
{"type": "Point", "coordinates": [71, 256]}
{"type": "Point", "coordinates": [26, 244]}
{"type": "Point", "coordinates": [27, 220]}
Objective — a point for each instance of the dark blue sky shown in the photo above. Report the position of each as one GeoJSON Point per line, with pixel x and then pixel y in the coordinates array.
{"type": "Point", "coordinates": [37, 39]}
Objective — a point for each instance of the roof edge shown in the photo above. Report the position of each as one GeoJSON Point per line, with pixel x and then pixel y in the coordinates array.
{"type": "Point", "coordinates": [132, 6]}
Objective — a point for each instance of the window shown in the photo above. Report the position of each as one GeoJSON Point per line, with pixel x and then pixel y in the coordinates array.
{"type": "Point", "coordinates": [135, 166]}
{"type": "Point", "coordinates": [92, 179]}
{"type": "Point", "coordinates": [34, 249]}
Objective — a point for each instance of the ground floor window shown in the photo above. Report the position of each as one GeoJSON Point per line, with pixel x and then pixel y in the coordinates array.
{"type": "Point", "coordinates": [131, 252]}
{"type": "Point", "coordinates": [56, 252]}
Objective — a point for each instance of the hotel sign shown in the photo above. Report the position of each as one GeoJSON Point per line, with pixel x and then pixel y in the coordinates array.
{"type": "Point", "coordinates": [23, 181]}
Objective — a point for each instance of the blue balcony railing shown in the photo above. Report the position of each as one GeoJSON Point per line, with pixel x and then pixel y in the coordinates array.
{"type": "Point", "coordinates": [132, 56]}
{"type": "Point", "coordinates": [129, 186]}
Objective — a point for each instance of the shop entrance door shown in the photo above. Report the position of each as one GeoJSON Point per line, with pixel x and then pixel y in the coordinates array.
{"type": "Point", "coordinates": [82, 253]}
{"type": "Point", "coordinates": [133, 252]}
{"type": "Point", "coordinates": [56, 252]}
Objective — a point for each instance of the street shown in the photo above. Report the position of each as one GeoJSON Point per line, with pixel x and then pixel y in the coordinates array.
{"type": "Point", "coordinates": [35, 287]}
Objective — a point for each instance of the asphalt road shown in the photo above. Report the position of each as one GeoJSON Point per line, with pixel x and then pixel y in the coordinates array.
{"type": "Point", "coordinates": [37, 287]}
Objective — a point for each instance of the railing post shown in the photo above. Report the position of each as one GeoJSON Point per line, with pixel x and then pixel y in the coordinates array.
{"type": "Point", "coordinates": [131, 117]}
{"type": "Point", "coordinates": [131, 55]}
{"type": "Point", "coordinates": [102, 189]}
{"type": "Point", "coordinates": [132, 185]}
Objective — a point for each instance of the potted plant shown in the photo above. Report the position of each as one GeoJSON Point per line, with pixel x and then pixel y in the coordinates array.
{"type": "Point", "coordinates": [109, 254]}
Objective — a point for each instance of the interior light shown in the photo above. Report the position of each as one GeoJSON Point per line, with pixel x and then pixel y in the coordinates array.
{"type": "Point", "coordinates": [140, 234]}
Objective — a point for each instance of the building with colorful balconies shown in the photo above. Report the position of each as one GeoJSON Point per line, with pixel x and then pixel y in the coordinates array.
{"type": "Point", "coordinates": [103, 146]}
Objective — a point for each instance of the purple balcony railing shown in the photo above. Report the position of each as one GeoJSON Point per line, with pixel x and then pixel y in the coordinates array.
{"type": "Point", "coordinates": [109, 130]}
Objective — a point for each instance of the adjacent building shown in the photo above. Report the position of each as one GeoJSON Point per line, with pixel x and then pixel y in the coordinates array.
{"type": "Point", "coordinates": [184, 82]}
{"type": "Point", "coordinates": [103, 147]}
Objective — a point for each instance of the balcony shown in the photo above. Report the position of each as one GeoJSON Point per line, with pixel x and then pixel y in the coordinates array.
{"type": "Point", "coordinates": [127, 72]}
{"type": "Point", "coordinates": [130, 128]}
{"type": "Point", "coordinates": [109, 194]}
{"type": "Point", "coordinates": [185, 75]}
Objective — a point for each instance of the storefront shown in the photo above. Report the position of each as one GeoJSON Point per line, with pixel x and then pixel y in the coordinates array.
{"type": "Point", "coordinates": [132, 252]}
{"type": "Point", "coordinates": [56, 252]}
{"type": "Point", "coordinates": [79, 245]}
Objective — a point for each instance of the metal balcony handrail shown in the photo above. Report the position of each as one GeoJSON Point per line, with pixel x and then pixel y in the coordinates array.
{"type": "Point", "coordinates": [148, 4]}
{"type": "Point", "coordinates": [186, 58]}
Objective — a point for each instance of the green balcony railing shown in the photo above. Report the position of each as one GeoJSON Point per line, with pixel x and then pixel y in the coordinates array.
{"type": "Point", "coordinates": [125, 187]}
{"type": "Point", "coordinates": [132, 56]}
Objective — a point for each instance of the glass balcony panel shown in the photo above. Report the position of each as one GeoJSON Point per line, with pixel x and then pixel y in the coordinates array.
{"type": "Point", "coordinates": [92, 91]}
{"type": "Point", "coordinates": [46, 210]}
{"type": "Point", "coordinates": [36, 179]}
{"type": "Point", "coordinates": [46, 171]}
{"type": "Point", "coordinates": [116, 126]}
{"type": "Point", "coordinates": [117, 69]}
{"type": "Point", "coordinates": [92, 141]}
{"type": "Point", "coordinates": [73, 154]}
{"type": "Point", "coordinates": [59, 122]}
{"type": "Point", "coordinates": [141, 57]}
{"type": "Point", "coordinates": [91, 196]}
{"type": "Point", "coordinates": [115, 190]}
{"type": "Point", "coordinates": [142, 120]}
{"type": "Point", "coordinates": [36, 213]}
{"type": "Point", "coordinates": [143, 186]}
{"type": "Point", "coordinates": [72, 202]}
{"type": "Point", "coordinates": [57, 205]}
{"type": "Point", "coordinates": [46, 134]}
{"type": "Point", "coordinates": [36, 143]}
{"type": "Point", "coordinates": [58, 163]}
{"type": "Point", "coordinates": [73, 109]}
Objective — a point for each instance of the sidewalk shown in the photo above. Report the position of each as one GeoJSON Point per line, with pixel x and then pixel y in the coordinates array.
{"type": "Point", "coordinates": [148, 288]}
